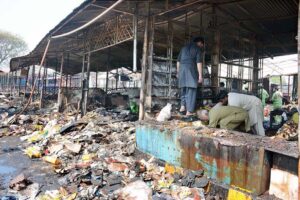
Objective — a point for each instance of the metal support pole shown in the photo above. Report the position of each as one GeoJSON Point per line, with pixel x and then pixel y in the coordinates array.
{"type": "Point", "coordinates": [59, 94]}
{"type": "Point", "coordinates": [83, 82]}
{"type": "Point", "coordinates": [280, 82]}
{"type": "Point", "coordinates": [55, 76]}
{"type": "Point", "coordinates": [97, 77]}
{"type": "Point", "coordinates": [26, 81]}
{"type": "Point", "coordinates": [42, 89]}
{"type": "Point", "coordinates": [39, 81]}
{"type": "Point", "coordinates": [19, 83]}
{"type": "Point", "coordinates": [255, 69]}
{"type": "Point", "coordinates": [46, 80]}
{"type": "Point", "coordinates": [289, 82]}
{"type": "Point", "coordinates": [117, 78]}
{"type": "Point", "coordinates": [298, 88]}
{"type": "Point", "coordinates": [86, 85]}
{"type": "Point", "coordinates": [33, 80]}
{"type": "Point", "coordinates": [107, 69]}
{"type": "Point", "coordinates": [135, 24]}
{"type": "Point", "coordinates": [170, 54]}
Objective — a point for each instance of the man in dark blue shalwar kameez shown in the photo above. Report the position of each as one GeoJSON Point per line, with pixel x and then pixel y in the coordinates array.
{"type": "Point", "coordinates": [189, 70]}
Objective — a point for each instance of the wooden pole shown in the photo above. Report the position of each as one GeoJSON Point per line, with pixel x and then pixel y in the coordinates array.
{"type": "Point", "coordinates": [59, 94]}
{"type": "Point", "coordinates": [144, 69]}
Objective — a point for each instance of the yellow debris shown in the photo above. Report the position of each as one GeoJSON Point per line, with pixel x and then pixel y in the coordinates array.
{"type": "Point", "coordinates": [237, 195]}
{"type": "Point", "coordinates": [173, 169]}
{"type": "Point", "coordinates": [33, 152]}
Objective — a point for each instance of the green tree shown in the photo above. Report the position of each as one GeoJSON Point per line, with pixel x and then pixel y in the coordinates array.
{"type": "Point", "coordinates": [10, 46]}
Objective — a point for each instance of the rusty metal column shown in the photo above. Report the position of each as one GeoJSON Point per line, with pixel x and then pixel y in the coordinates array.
{"type": "Point", "coordinates": [59, 94]}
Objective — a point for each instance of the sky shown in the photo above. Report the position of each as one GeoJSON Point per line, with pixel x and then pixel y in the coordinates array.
{"type": "Point", "coordinates": [33, 19]}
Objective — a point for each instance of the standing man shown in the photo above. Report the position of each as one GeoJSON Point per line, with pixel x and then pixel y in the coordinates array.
{"type": "Point", "coordinates": [264, 96]}
{"type": "Point", "coordinates": [189, 71]}
{"type": "Point", "coordinates": [277, 99]}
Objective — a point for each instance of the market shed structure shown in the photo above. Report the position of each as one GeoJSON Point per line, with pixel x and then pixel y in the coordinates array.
{"type": "Point", "coordinates": [146, 36]}
{"type": "Point", "coordinates": [104, 35]}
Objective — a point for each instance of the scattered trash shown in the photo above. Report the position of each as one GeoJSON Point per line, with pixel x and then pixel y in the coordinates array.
{"type": "Point", "coordinates": [19, 183]}
{"type": "Point", "coordinates": [138, 190]}
{"type": "Point", "coordinates": [96, 158]}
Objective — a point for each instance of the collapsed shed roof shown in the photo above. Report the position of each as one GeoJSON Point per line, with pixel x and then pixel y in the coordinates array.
{"type": "Point", "coordinates": [272, 25]}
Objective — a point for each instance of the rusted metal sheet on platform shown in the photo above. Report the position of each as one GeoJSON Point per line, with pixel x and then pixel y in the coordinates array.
{"type": "Point", "coordinates": [236, 165]}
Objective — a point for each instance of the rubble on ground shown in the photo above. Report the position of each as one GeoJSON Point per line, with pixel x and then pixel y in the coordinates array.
{"type": "Point", "coordinates": [96, 158]}
{"type": "Point", "coordinates": [288, 131]}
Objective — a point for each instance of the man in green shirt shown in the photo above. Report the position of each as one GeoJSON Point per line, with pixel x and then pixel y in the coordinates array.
{"type": "Point", "coordinates": [277, 99]}
{"type": "Point", "coordinates": [264, 96]}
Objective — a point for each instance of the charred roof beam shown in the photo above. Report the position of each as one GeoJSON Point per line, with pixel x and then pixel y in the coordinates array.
{"type": "Point", "coordinates": [262, 27]}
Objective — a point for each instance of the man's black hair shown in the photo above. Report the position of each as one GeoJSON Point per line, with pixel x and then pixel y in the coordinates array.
{"type": "Point", "coordinates": [222, 95]}
{"type": "Point", "coordinates": [198, 39]}
{"type": "Point", "coordinates": [222, 84]}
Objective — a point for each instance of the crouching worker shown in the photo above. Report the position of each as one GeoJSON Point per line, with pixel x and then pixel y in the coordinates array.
{"type": "Point", "coordinates": [252, 105]}
{"type": "Point", "coordinates": [228, 117]}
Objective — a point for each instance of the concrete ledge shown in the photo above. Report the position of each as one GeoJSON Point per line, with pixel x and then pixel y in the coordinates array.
{"type": "Point", "coordinates": [233, 163]}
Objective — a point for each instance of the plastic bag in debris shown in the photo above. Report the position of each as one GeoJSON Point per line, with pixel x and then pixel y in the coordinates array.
{"type": "Point", "coordinates": [134, 107]}
{"type": "Point", "coordinates": [137, 190]}
{"type": "Point", "coordinates": [52, 128]}
{"type": "Point", "coordinates": [165, 113]}
{"type": "Point", "coordinates": [33, 152]}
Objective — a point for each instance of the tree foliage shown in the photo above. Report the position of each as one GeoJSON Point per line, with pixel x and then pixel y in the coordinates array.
{"type": "Point", "coordinates": [10, 46]}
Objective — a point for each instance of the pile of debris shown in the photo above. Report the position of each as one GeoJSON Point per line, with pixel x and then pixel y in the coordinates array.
{"type": "Point", "coordinates": [96, 158]}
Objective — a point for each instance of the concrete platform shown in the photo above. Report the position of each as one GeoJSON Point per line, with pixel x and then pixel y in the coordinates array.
{"type": "Point", "coordinates": [232, 158]}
